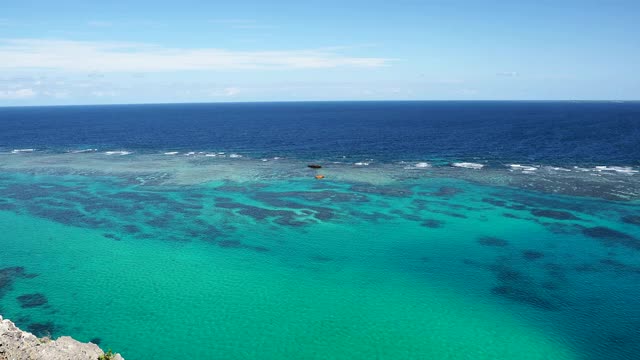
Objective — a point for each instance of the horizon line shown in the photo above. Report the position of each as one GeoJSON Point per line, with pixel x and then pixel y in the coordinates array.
{"type": "Point", "coordinates": [316, 101]}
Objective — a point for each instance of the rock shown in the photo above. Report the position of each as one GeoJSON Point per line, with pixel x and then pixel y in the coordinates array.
{"type": "Point", "coordinates": [16, 344]}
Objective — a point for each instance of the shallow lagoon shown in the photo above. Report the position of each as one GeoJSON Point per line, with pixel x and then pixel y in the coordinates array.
{"type": "Point", "coordinates": [165, 257]}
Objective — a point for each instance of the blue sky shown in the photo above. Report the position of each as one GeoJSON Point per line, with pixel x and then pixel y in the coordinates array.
{"type": "Point", "coordinates": [90, 52]}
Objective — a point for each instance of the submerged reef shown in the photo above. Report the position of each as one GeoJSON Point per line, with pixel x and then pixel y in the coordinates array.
{"type": "Point", "coordinates": [554, 214]}
{"type": "Point", "coordinates": [9, 274]}
{"type": "Point", "coordinates": [32, 300]}
{"type": "Point", "coordinates": [632, 219]}
{"type": "Point", "coordinates": [16, 344]}
{"type": "Point", "coordinates": [532, 254]}
{"type": "Point", "coordinates": [610, 237]}
{"type": "Point", "coordinates": [492, 241]}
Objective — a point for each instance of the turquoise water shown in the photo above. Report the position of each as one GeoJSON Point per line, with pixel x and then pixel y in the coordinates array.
{"type": "Point", "coordinates": [181, 259]}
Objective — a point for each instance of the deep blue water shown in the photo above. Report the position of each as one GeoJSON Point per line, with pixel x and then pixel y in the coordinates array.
{"type": "Point", "coordinates": [549, 132]}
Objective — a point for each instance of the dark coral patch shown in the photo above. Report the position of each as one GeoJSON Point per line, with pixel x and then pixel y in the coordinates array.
{"type": "Point", "coordinates": [97, 206]}
{"type": "Point", "coordinates": [469, 262]}
{"type": "Point", "coordinates": [422, 204]}
{"type": "Point", "coordinates": [383, 190]}
{"type": "Point", "coordinates": [550, 202]}
{"type": "Point", "coordinates": [55, 203]}
{"type": "Point", "coordinates": [131, 229]}
{"type": "Point", "coordinates": [516, 285]}
{"type": "Point", "coordinates": [516, 207]}
{"type": "Point", "coordinates": [236, 244]}
{"type": "Point", "coordinates": [620, 266]}
{"type": "Point", "coordinates": [42, 329]}
{"type": "Point", "coordinates": [550, 285]}
{"type": "Point", "coordinates": [554, 214]}
{"type": "Point", "coordinates": [193, 195]}
{"type": "Point", "coordinates": [432, 223]}
{"type": "Point", "coordinates": [252, 211]}
{"type": "Point", "coordinates": [279, 200]}
{"type": "Point", "coordinates": [320, 258]}
{"type": "Point", "coordinates": [282, 217]}
{"type": "Point", "coordinates": [5, 282]}
{"type": "Point", "coordinates": [411, 217]}
{"type": "Point", "coordinates": [523, 296]}
{"type": "Point", "coordinates": [408, 217]}
{"type": "Point", "coordinates": [556, 271]}
{"type": "Point", "coordinates": [586, 268]}
{"type": "Point", "coordinates": [324, 195]}
{"type": "Point", "coordinates": [260, 249]}
{"type": "Point", "coordinates": [562, 228]}
{"type": "Point", "coordinates": [230, 244]}
{"type": "Point", "coordinates": [7, 276]}
{"type": "Point", "coordinates": [504, 204]}
{"type": "Point", "coordinates": [162, 221]}
{"type": "Point", "coordinates": [449, 213]}
{"type": "Point", "coordinates": [447, 191]}
{"type": "Point", "coordinates": [32, 300]}
{"type": "Point", "coordinates": [7, 206]}
{"type": "Point", "coordinates": [492, 241]}
{"type": "Point", "coordinates": [375, 216]}
{"type": "Point", "coordinates": [494, 202]}
{"type": "Point", "coordinates": [71, 217]}
{"type": "Point", "coordinates": [139, 196]}
{"type": "Point", "coordinates": [610, 237]}
{"type": "Point", "coordinates": [25, 191]}
{"type": "Point", "coordinates": [613, 263]}
{"type": "Point", "coordinates": [290, 221]}
{"type": "Point", "coordinates": [259, 213]}
{"type": "Point", "coordinates": [112, 236]}
{"type": "Point", "coordinates": [12, 271]}
{"type": "Point", "coordinates": [532, 254]}
{"type": "Point", "coordinates": [632, 219]}
{"type": "Point", "coordinates": [22, 320]}
{"type": "Point", "coordinates": [96, 341]}
{"type": "Point", "coordinates": [323, 214]}
{"type": "Point", "coordinates": [506, 274]}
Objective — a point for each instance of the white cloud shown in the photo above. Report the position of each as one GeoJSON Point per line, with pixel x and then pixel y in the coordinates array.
{"type": "Point", "coordinates": [17, 94]}
{"type": "Point", "coordinates": [95, 75]}
{"type": "Point", "coordinates": [89, 56]}
{"type": "Point", "coordinates": [226, 92]}
{"type": "Point", "coordinates": [508, 74]}
{"type": "Point", "coordinates": [104, 93]}
{"type": "Point", "coordinates": [231, 91]}
{"type": "Point", "coordinates": [56, 94]}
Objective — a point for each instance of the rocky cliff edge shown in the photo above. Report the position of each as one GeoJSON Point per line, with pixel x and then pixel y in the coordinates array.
{"type": "Point", "coordinates": [16, 344]}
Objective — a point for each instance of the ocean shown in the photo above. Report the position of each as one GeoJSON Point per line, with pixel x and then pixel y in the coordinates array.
{"type": "Point", "coordinates": [441, 230]}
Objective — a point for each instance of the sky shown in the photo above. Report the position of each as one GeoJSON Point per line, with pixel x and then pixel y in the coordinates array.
{"type": "Point", "coordinates": [58, 52]}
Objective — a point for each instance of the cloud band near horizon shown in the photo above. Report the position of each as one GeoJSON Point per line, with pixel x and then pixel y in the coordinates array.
{"type": "Point", "coordinates": [89, 56]}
